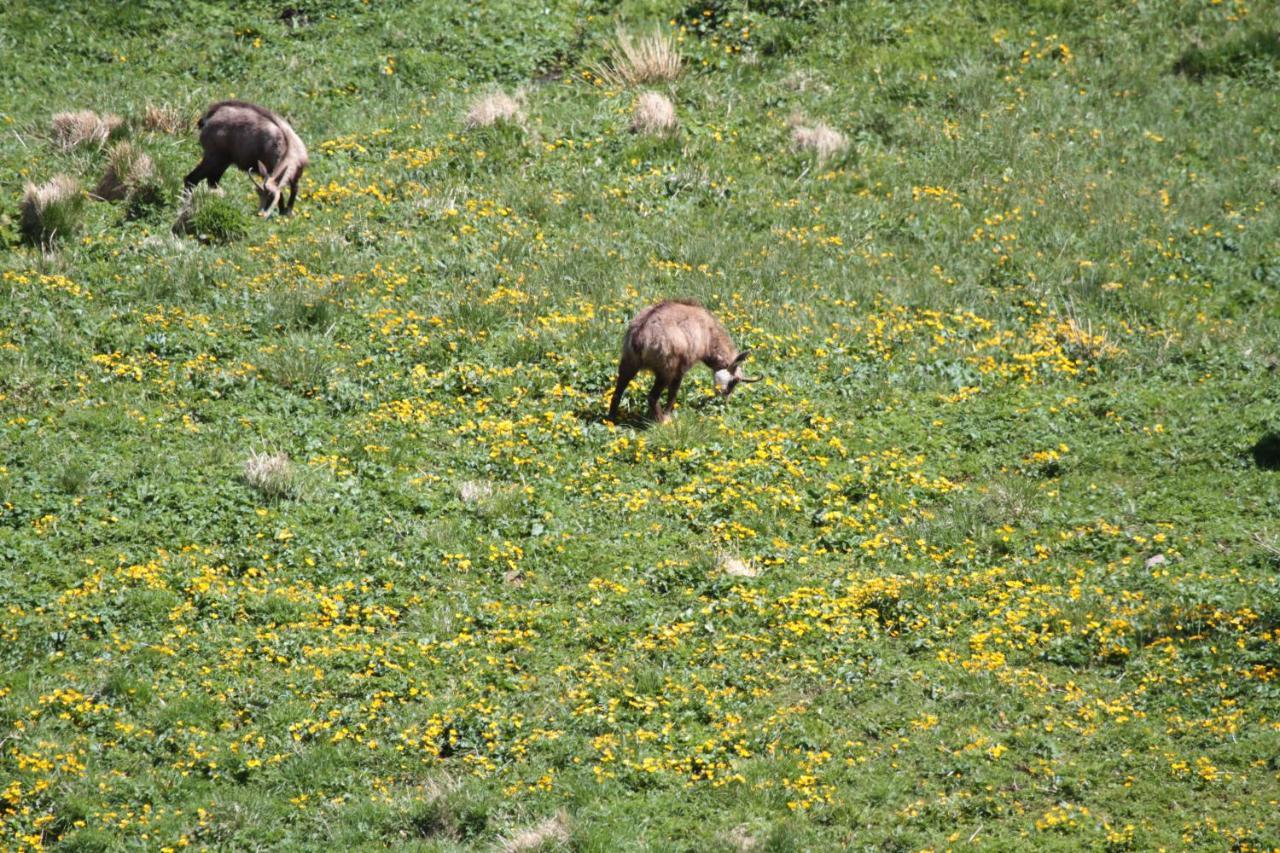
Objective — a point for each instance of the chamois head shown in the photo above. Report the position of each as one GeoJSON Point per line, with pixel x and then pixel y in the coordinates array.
{"type": "Point", "coordinates": [727, 378]}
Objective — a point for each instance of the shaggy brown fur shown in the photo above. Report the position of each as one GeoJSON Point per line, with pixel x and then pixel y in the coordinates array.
{"type": "Point", "coordinates": [252, 138]}
{"type": "Point", "coordinates": [668, 339]}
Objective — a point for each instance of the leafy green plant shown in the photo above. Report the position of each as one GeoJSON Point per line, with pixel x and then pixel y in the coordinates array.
{"type": "Point", "coordinates": [211, 216]}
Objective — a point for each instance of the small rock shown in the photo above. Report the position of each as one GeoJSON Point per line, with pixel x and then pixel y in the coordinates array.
{"type": "Point", "coordinates": [1157, 560]}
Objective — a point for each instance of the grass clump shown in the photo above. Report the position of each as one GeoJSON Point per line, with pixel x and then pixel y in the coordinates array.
{"type": "Point", "coordinates": [492, 109]}
{"type": "Point", "coordinates": [83, 127]}
{"type": "Point", "coordinates": [818, 138]}
{"type": "Point", "coordinates": [210, 216]}
{"type": "Point", "coordinates": [544, 835]}
{"type": "Point", "coordinates": [51, 211]}
{"type": "Point", "coordinates": [270, 474]}
{"type": "Point", "coordinates": [128, 169]}
{"type": "Point", "coordinates": [1253, 53]}
{"type": "Point", "coordinates": [159, 118]}
{"type": "Point", "coordinates": [653, 115]}
{"type": "Point", "coordinates": [298, 363]}
{"type": "Point", "coordinates": [448, 809]}
{"type": "Point", "coordinates": [641, 61]}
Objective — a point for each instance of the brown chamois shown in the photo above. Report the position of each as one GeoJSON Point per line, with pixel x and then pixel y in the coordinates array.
{"type": "Point", "coordinates": [668, 339]}
{"type": "Point", "coordinates": [252, 138]}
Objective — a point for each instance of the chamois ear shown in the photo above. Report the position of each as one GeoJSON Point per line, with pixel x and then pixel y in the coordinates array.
{"type": "Point", "coordinates": [742, 356]}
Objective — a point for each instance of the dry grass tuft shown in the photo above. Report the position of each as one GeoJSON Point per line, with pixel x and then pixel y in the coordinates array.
{"type": "Point", "coordinates": [471, 491]}
{"type": "Point", "coordinates": [83, 127]}
{"type": "Point", "coordinates": [820, 138]}
{"type": "Point", "coordinates": [51, 210]}
{"type": "Point", "coordinates": [164, 119]}
{"type": "Point", "coordinates": [552, 832]}
{"type": "Point", "coordinates": [1082, 343]}
{"type": "Point", "coordinates": [736, 568]}
{"type": "Point", "coordinates": [187, 207]}
{"type": "Point", "coordinates": [494, 108]}
{"type": "Point", "coordinates": [741, 839]}
{"type": "Point", "coordinates": [128, 168]}
{"type": "Point", "coordinates": [801, 80]}
{"type": "Point", "coordinates": [271, 474]}
{"type": "Point", "coordinates": [438, 787]}
{"type": "Point", "coordinates": [653, 114]}
{"type": "Point", "coordinates": [648, 59]}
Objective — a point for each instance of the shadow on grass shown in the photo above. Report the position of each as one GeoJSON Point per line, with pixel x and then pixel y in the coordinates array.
{"type": "Point", "coordinates": [1257, 50]}
{"type": "Point", "coordinates": [600, 415]}
{"type": "Point", "coordinates": [636, 419]}
{"type": "Point", "coordinates": [1266, 452]}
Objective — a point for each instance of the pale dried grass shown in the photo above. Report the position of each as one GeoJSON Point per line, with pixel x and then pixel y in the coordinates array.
{"type": "Point", "coordinates": [654, 115]}
{"type": "Point", "coordinates": [493, 108]}
{"type": "Point", "coordinates": [735, 567]}
{"type": "Point", "coordinates": [474, 491]}
{"type": "Point", "coordinates": [802, 80]}
{"type": "Point", "coordinates": [83, 127]}
{"type": "Point", "coordinates": [128, 168]}
{"type": "Point", "coordinates": [271, 474]}
{"type": "Point", "coordinates": [51, 210]}
{"type": "Point", "coordinates": [158, 118]}
{"type": "Point", "coordinates": [550, 833]}
{"type": "Point", "coordinates": [819, 138]}
{"type": "Point", "coordinates": [637, 61]}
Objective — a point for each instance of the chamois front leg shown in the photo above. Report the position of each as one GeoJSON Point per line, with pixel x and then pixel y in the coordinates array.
{"type": "Point", "coordinates": [627, 370]}
{"type": "Point", "coordinates": [293, 194]}
{"type": "Point", "coordinates": [672, 391]}
{"type": "Point", "coordinates": [655, 400]}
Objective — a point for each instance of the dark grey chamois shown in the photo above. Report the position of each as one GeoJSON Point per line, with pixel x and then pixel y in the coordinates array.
{"type": "Point", "coordinates": [668, 339]}
{"type": "Point", "coordinates": [252, 138]}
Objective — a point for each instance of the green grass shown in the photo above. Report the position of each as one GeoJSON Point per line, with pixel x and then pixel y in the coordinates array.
{"type": "Point", "coordinates": [1009, 488]}
{"type": "Point", "coordinates": [210, 216]}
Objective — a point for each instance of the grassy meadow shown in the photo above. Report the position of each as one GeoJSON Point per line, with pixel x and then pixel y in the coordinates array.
{"type": "Point", "coordinates": [313, 531]}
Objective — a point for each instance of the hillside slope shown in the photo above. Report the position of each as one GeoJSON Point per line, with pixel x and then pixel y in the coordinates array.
{"type": "Point", "coordinates": [314, 531]}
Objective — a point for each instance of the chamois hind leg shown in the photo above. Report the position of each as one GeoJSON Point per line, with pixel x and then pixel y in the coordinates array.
{"type": "Point", "coordinates": [672, 390]}
{"type": "Point", "coordinates": [215, 174]}
{"type": "Point", "coordinates": [655, 394]}
{"type": "Point", "coordinates": [196, 175]}
{"type": "Point", "coordinates": [293, 194]}
{"type": "Point", "coordinates": [208, 168]}
{"type": "Point", "coordinates": [626, 372]}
